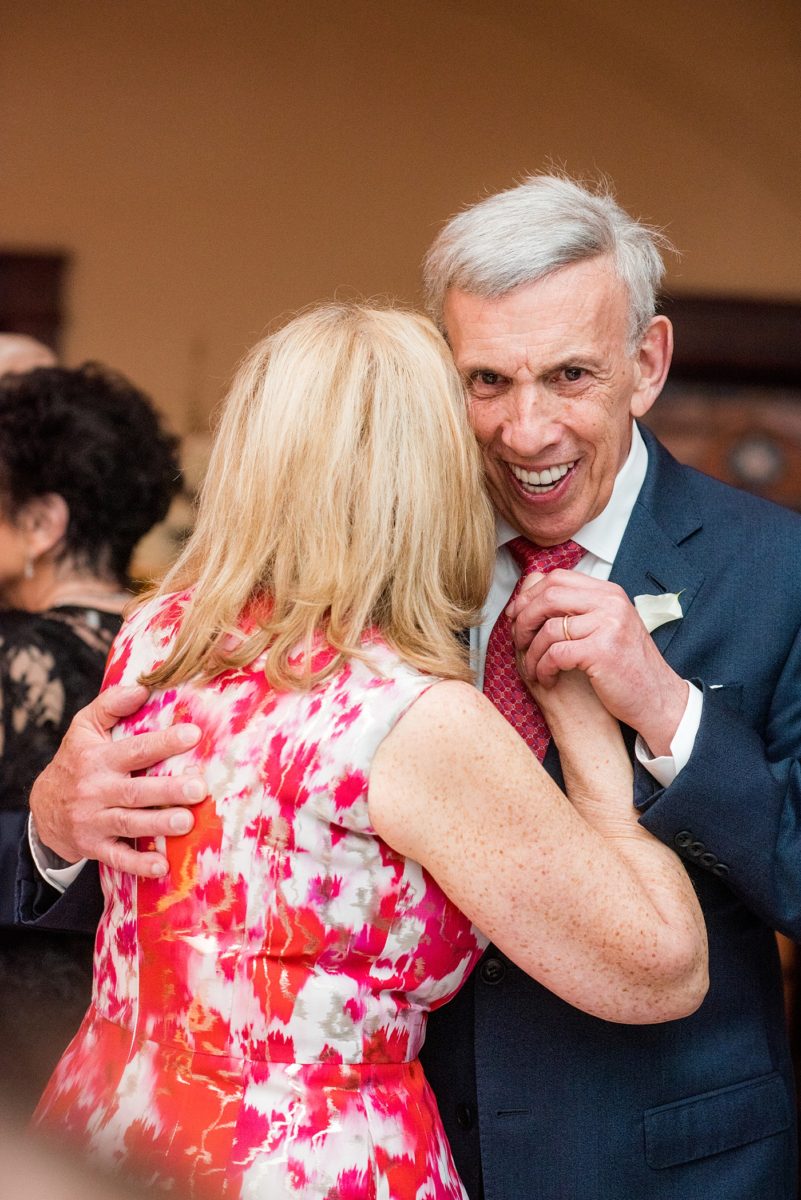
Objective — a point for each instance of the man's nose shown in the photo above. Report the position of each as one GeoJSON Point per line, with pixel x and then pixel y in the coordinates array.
{"type": "Point", "coordinates": [533, 422]}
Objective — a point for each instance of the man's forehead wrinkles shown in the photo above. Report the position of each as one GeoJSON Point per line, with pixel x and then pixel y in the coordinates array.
{"type": "Point", "coordinates": [554, 340]}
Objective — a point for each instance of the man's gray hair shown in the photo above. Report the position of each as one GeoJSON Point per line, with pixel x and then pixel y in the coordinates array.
{"type": "Point", "coordinates": [547, 222]}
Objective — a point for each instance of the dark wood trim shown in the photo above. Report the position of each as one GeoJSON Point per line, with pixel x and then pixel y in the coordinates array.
{"type": "Point", "coordinates": [32, 294]}
{"type": "Point", "coordinates": [727, 339]}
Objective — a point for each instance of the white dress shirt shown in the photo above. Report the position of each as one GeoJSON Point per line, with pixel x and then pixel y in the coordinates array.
{"type": "Point", "coordinates": [600, 539]}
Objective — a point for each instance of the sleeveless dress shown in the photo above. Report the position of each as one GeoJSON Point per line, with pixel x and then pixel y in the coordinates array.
{"type": "Point", "coordinates": [51, 664]}
{"type": "Point", "coordinates": [257, 1015]}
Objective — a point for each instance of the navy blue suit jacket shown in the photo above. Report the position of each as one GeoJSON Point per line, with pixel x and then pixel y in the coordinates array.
{"type": "Point", "coordinates": [544, 1102]}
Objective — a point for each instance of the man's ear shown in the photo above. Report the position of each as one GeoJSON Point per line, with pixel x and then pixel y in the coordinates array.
{"type": "Point", "coordinates": [44, 521]}
{"type": "Point", "coordinates": [653, 362]}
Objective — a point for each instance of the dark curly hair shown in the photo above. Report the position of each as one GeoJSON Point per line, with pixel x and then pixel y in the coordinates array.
{"type": "Point", "coordinates": [93, 438]}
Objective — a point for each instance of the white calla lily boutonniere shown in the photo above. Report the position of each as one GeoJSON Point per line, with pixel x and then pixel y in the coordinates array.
{"type": "Point", "coordinates": [658, 610]}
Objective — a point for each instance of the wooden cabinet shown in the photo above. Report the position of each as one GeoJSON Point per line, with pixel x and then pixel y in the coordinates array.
{"type": "Point", "coordinates": [31, 295]}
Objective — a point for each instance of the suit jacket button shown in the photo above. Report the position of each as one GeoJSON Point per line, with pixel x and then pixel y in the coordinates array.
{"type": "Point", "coordinates": [708, 860]}
{"type": "Point", "coordinates": [721, 870]}
{"type": "Point", "coordinates": [492, 970]}
{"type": "Point", "coordinates": [683, 839]}
{"type": "Point", "coordinates": [464, 1116]}
{"type": "Point", "coordinates": [696, 849]}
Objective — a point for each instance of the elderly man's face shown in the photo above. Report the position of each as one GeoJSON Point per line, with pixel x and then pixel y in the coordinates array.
{"type": "Point", "coordinates": [553, 388]}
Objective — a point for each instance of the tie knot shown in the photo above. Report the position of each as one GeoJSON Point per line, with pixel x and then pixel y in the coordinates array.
{"type": "Point", "coordinates": [544, 558]}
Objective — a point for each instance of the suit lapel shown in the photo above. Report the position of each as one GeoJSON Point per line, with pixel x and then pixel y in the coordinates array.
{"type": "Point", "coordinates": [651, 559]}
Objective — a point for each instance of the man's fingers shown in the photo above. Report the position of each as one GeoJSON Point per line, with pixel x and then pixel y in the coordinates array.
{"type": "Point", "coordinates": [569, 627]}
{"type": "Point", "coordinates": [106, 709]}
{"type": "Point", "coordinates": [122, 857]}
{"type": "Point", "coordinates": [543, 636]}
{"type": "Point", "coordinates": [121, 827]}
{"type": "Point", "coordinates": [552, 598]}
{"type": "Point", "coordinates": [145, 822]}
{"type": "Point", "coordinates": [143, 750]}
{"type": "Point", "coordinates": [149, 791]}
{"type": "Point", "coordinates": [520, 599]}
{"type": "Point", "coordinates": [535, 585]}
{"type": "Point", "coordinates": [559, 657]}
{"type": "Point", "coordinates": [551, 652]}
{"type": "Point", "coordinates": [566, 591]}
{"type": "Point", "coordinates": [118, 827]}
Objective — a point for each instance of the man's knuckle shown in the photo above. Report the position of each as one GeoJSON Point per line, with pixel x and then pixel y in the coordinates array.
{"type": "Point", "coordinates": [125, 823]}
{"type": "Point", "coordinates": [564, 656]}
{"type": "Point", "coordinates": [618, 612]}
{"type": "Point", "coordinates": [128, 793]}
{"type": "Point", "coordinates": [81, 756]}
{"type": "Point", "coordinates": [117, 857]}
{"type": "Point", "coordinates": [133, 753]}
{"type": "Point", "coordinates": [82, 796]}
{"type": "Point", "coordinates": [110, 855]}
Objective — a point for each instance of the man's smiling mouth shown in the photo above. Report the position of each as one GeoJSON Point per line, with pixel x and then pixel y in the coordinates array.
{"type": "Point", "coordinates": [537, 483]}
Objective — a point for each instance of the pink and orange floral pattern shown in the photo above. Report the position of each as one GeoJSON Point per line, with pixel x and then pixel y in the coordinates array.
{"type": "Point", "coordinates": [257, 1015]}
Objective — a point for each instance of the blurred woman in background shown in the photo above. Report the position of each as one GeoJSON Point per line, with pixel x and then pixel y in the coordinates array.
{"type": "Point", "coordinates": [85, 471]}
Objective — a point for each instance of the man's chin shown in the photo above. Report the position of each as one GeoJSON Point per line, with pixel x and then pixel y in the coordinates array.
{"type": "Point", "coordinates": [544, 529]}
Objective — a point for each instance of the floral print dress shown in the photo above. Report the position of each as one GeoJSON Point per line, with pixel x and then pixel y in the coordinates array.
{"type": "Point", "coordinates": [257, 1015]}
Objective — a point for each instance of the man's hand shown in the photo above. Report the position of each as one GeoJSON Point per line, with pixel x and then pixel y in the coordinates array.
{"type": "Point", "coordinates": [85, 803]}
{"type": "Point", "coordinates": [608, 641]}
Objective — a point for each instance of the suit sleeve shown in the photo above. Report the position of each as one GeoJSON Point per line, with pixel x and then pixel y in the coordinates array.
{"type": "Point", "coordinates": [41, 906]}
{"type": "Point", "coordinates": [735, 808]}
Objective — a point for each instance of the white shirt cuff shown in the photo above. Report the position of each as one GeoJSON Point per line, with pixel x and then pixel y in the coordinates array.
{"type": "Point", "coordinates": [666, 768]}
{"type": "Point", "coordinates": [59, 877]}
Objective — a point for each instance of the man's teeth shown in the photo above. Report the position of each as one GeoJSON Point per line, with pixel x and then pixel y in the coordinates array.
{"type": "Point", "coordinates": [541, 481]}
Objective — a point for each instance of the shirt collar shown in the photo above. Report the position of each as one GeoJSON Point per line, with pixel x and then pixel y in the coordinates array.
{"type": "Point", "coordinates": [603, 534]}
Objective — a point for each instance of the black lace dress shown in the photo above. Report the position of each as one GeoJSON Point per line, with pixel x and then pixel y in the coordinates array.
{"type": "Point", "coordinates": [51, 664]}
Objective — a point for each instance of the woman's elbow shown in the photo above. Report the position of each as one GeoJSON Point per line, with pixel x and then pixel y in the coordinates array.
{"type": "Point", "coordinates": [681, 984]}
{"type": "Point", "coordinates": [686, 993]}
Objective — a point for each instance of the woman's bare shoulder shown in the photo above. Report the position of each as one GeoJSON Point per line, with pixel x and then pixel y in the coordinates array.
{"type": "Point", "coordinates": [450, 699]}
{"type": "Point", "coordinates": [450, 743]}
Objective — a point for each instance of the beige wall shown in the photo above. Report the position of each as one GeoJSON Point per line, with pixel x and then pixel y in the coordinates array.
{"type": "Point", "coordinates": [212, 165]}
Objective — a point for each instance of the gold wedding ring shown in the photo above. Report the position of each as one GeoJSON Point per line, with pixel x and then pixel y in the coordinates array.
{"type": "Point", "coordinates": [565, 629]}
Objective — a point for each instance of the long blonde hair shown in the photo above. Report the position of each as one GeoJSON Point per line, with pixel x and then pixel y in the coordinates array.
{"type": "Point", "coordinates": [345, 486]}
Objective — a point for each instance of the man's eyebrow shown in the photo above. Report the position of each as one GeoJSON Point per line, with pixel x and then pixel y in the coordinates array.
{"type": "Point", "coordinates": [579, 358]}
{"type": "Point", "coordinates": [571, 360]}
{"type": "Point", "coordinates": [474, 364]}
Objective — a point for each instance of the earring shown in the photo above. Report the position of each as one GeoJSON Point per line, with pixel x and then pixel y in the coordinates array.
{"type": "Point", "coordinates": [28, 569]}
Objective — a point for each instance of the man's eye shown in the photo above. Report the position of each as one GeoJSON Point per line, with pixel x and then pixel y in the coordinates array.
{"type": "Point", "coordinates": [573, 374]}
{"type": "Point", "coordinates": [485, 380]}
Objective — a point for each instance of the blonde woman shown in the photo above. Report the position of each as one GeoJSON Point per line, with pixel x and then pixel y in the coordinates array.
{"type": "Point", "coordinates": [370, 821]}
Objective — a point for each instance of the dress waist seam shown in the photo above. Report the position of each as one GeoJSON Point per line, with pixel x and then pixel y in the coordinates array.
{"type": "Point", "coordinates": [140, 1037]}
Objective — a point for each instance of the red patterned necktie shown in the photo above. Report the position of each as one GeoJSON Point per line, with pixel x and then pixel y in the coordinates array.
{"type": "Point", "coordinates": [502, 682]}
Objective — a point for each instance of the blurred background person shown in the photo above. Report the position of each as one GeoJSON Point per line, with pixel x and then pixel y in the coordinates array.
{"type": "Point", "coordinates": [19, 353]}
{"type": "Point", "coordinates": [35, 1169]}
{"type": "Point", "coordinates": [85, 470]}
